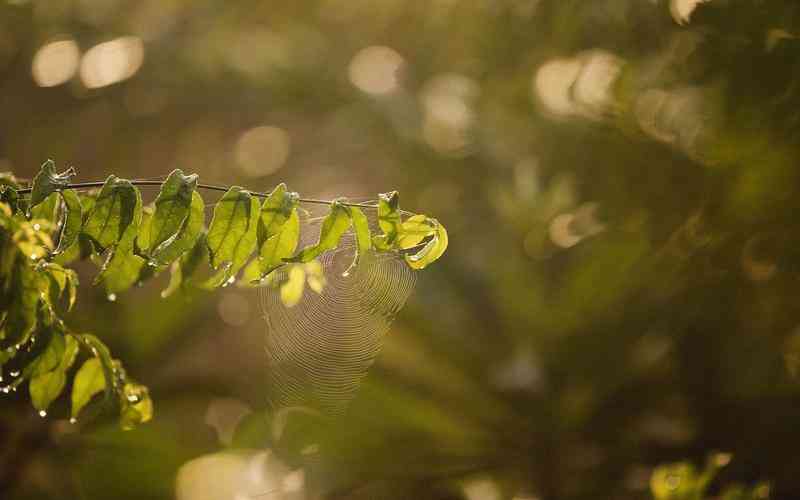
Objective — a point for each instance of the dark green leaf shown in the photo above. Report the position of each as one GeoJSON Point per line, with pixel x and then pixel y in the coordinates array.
{"type": "Point", "coordinates": [123, 267]}
{"type": "Point", "coordinates": [47, 181]}
{"type": "Point", "coordinates": [114, 210]}
{"type": "Point", "coordinates": [233, 232]}
{"type": "Point", "coordinates": [183, 273]}
{"type": "Point", "coordinates": [9, 196]}
{"type": "Point", "coordinates": [336, 223]}
{"type": "Point", "coordinates": [71, 220]}
{"type": "Point", "coordinates": [21, 319]}
{"type": "Point", "coordinates": [171, 210]}
{"type": "Point", "coordinates": [89, 380]}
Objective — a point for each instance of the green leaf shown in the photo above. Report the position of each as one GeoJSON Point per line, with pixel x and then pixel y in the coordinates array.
{"type": "Point", "coordinates": [362, 234]}
{"type": "Point", "coordinates": [186, 237]}
{"type": "Point", "coordinates": [101, 352]}
{"type": "Point", "coordinates": [123, 267]}
{"type": "Point", "coordinates": [172, 209]}
{"type": "Point", "coordinates": [280, 245]}
{"type": "Point", "coordinates": [71, 220]}
{"type": "Point", "coordinates": [89, 380]}
{"type": "Point", "coordinates": [233, 233]}
{"type": "Point", "coordinates": [137, 407]}
{"type": "Point", "coordinates": [275, 211]}
{"type": "Point", "coordinates": [292, 291]}
{"type": "Point", "coordinates": [47, 181]}
{"type": "Point", "coordinates": [414, 230]}
{"type": "Point", "coordinates": [49, 359]}
{"type": "Point", "coordinates": [115, 208]}
{"type": "Point", "coordinates": [388, 220]}
{"type": "Point", "coordinates": [9, 196]}
{"type": "Point", "coordinates": [184, 272]}
{"type": "Point", "coordinates": [45, 388]}
{"type": "Point", "coordinates": [432, 250]}
{"type": "Point", "coordinates": [336, 223]}
{"type": "Point", "coordinates": [64, 280]}
{"type": "Point", "coordinates": [21, 319]}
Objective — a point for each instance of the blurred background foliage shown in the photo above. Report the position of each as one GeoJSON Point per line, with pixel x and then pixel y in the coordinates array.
{"type": "Point", "coordinates": [620, 183]}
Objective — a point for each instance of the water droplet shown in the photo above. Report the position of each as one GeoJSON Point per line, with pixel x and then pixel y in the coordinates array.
{"type": "Point", "coordinates": [133, 398]}
{"type": "Point", "coordinates": [42, 413]}
{"type": "Point", "coordinates": [73, 420]}
{"type": "Point", "coordinates": [13, 388]}
{"type": "Point", "coordinates": [112, 297]}
{"type": "Point", "coordinates": [34, 256]}
{"type": "Point", "coordinates": [5, 389]}
{"type": "Point", "coordinates": [14, 373]}
{"type": "Point", "coordinates": [37, 227]}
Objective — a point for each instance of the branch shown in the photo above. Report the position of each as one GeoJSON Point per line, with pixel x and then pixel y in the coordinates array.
{"type": "Point", "coordinates": [209, 187]}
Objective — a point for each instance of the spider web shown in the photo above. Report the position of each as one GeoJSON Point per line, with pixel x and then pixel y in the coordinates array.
{"type": "Point", "coordinates": [319, 350]}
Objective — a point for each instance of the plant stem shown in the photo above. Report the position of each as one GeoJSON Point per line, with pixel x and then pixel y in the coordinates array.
{"type": "Point", "coordinates": [210, 187]}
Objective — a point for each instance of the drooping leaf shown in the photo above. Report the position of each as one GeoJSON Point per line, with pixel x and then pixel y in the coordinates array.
{"type": "Point", "coordinates": [9, 196]}
{"type": "Point", "coordinates": [432, 250]}
{"type": "Point", "coordinates": [46, 387]}
{"type": "Point", "coordinates": [49, 358]}
{"type": "Point", "coordinates": [275, 211]}
{"type": "Point", "coordinates": [47, 181]}
{"type": "Point", "coordinates": [89, 380]}
{"type": "Point", "coordinates": [172, 207]}
{"type": "Point", "coordinates": [184, 271]}
{"type": "Point", "coordinates": [123, 267]}
{"type": "Point", "coordinates": [21, 318]}
{"type": "Point", "coordinates": [233, 233]}
{"type": "Point", "coordinates": [335, 224]}
{"type": "Point", "coordinates": [186, 237]}
{"type": "Point", "coordinates": [280, 245]}
{"type": "Point", "coordinates": [117, 206]}
{"type": "Point", "coordinates": [362, 235]}
{"type": "Point", "coordinates": [71, 220]}
{"type": "Point", "coordinates": [64, 280]}
{"type": "Point", "coordinates": [137, 407]}
{"type": "Point", "coordinates": [101, 352]}
{"type": "Point", "coordinates": [414, 230]}
{"type": "Point", "coordinates": [388, 220]}
{"type": "Point", "coordinates": [46, 209]}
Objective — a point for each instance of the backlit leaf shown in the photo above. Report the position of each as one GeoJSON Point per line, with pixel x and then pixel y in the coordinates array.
{"type": "Point", "coordinates": [432, 250]}
{"type": "Point", "coordinates": [117, 206]}
{"type": "Point", "coordinates": [292, 290]}
{"type": "Point", "coordinates": [45, 388]}
{"type": "Point", "coordinates": [172, 207]}
{"type": "Point", "coordinates": [186, 237]}
{"type": "Point", "coordinates": [89, 380]}
{"type": "Point", "coordinates": [47, 181]}
{"type": "Point", "coordinates": [336, 223]}
{"type": "Point", "coordinates": [280, 245]}
{"type": "Point", "coordinates": [233, 232]}
{"type": "Point", "coordinates": [71, 220]}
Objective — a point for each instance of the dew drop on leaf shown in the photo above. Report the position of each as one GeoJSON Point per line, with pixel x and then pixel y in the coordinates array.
{"type": "Point", "coordinates": [42, 413]}
{"type": "Point", "coordinates": [112, 297]}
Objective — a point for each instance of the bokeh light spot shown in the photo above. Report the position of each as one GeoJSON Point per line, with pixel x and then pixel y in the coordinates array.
{"type": "Point", "coordinates": [376, 70]}
{"type": "Point", "coordinates": [112, 62]}
{"type": "Point", "coordinates": [262, 150]}
{"type": "Point", "coordinates": [55, 63]}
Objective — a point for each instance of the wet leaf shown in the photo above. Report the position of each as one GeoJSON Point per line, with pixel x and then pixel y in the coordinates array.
{"type": "Point", "coordinates": [123, 267]}
{"type": "Point", "coordinates": [137, 407]}
{"type": "Point", "coordinates": [46, 387]}
{"type": "Point", "coordinates": [50, 357]}
{"type": "Point", "coordinates": [89, 380]}
{"type": "Point", "coordinates": [101, 352]}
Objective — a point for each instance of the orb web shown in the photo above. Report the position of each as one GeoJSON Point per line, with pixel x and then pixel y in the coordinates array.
{"type": "Point", "coordinates": [319, 350]}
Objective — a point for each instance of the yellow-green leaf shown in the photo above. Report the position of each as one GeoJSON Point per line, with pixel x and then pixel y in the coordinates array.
{"type": "Point", "coordinates": [89, 380]}
{"type": "Point", "coordinates": [172, 207]}
{"type": "Point", "coordinates": [336, 223]}
{"type": "Point", "coordinates": [186, 237]}
{"type": "Point", "coordinates": [117, 206]}
{"type": "Point", "coordinates": [280, 245]}
{"type": "Point", "coordinates": [432, 250]}
{"type": "Point", "coordinates": [46, 387]}
{"type": "Point", "coordinates": [233, 232]}
{"type": "Point", "coordinates": [292, 289]}
{"type": "Point", "coordinates": [71, 220]}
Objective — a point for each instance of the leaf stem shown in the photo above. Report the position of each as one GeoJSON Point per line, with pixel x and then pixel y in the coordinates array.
{"type": "Point", "coordinates": [209, 187]}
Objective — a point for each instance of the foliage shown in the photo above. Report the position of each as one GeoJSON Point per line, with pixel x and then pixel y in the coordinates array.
{"type": "Point", "coordinates": [130, 243]}
{"type": "Point", "coordinates": [682, 481]}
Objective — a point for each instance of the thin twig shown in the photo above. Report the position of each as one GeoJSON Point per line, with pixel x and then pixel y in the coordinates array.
{"type": "Point", "coordinates": [210, 187]}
